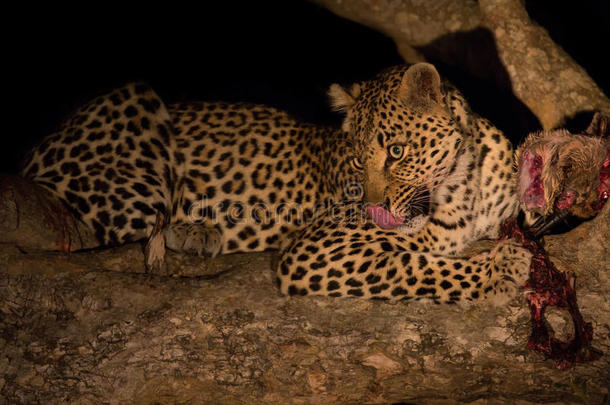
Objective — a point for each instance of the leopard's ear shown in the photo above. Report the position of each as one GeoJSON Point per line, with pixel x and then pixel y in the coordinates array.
{"type": "Point", "coordinates": [340, 99]}
{"type": "Point", "coordinates": [421, 86]}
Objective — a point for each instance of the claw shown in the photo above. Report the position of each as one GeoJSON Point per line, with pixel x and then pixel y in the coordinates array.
{"type": "Point", "coordinates": [539, 222]}
{"type": "Point", "coordinates": [544, 224]}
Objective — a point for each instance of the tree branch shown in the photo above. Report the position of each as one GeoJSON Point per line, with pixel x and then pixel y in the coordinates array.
{"type": "Point", "coordinates": [411, 23]}
{"type": "Point", "coordinates": [542, 75]}
{"type": "Point", "coordinates": [94, 330]}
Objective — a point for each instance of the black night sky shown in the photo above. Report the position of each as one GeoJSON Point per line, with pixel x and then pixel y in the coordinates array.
{"type": "Point", "coordinates": [283, 53]}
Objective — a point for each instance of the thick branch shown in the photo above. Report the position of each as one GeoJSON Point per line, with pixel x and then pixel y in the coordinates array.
{"type": "Point", "coordinates": [543, 76]}
{"type": "Point", "coordinates": [82, 334]}
{"type": "Point", "coordinates": [411, 23]}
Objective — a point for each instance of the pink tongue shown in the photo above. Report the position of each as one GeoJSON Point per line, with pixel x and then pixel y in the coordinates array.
{"type": "Point", "coordinates": [384, 218]}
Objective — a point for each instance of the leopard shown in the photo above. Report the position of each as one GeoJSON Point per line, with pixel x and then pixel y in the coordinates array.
{"type": "Point", "coordinates": [436, 178]}
{"type": "Point", "coordinates": [422, 174]}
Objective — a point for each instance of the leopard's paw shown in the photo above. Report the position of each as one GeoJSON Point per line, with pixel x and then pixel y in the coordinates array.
{"type": "Point", "coordinates": [194, 239]}
{"type": "Point", "coordinates": [509, 265]}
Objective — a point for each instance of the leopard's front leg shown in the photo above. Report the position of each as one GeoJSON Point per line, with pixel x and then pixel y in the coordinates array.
{"type": "Point", "coordinates": [359, 259]}
{"type": "Point", "coordinates": [396, 274]}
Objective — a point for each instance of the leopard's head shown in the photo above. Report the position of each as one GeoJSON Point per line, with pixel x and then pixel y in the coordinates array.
{"type": "Point", "coordinates": [406, 138]}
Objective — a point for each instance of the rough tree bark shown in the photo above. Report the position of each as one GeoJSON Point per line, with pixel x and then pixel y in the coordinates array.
{"type": "Point", "coordinates": [93, 327]}
{"type": "Point", "coordinates": [541, 74]}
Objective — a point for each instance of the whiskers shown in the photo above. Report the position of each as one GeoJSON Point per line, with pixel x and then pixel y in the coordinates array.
{"type": "Point", "coordinates": [429, 189]}
{"type": "Point", "coordinates": [419, 204]}
{"type": "Point", "coordinates": [418, 200]}
{"type": "Point", "coordinates": [437, 185]}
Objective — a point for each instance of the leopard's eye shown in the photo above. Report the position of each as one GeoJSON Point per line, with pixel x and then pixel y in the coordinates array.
{"type": "Point", "coordinates": [396, 151]}
{"type": "Point", "coordinates": [357, 164]}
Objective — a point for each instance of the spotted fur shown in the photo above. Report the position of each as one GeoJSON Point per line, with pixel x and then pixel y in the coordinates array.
{"type": "Point", "coordinates": [112, 163]}
{"type": "Point", "coordinates": [455, 167]}
{"type": "Point", "coordinates": [229, 177]}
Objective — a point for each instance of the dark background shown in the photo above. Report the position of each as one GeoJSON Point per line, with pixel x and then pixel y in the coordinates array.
{"type": "Point", "coordinates": [283, 53]}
